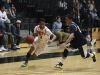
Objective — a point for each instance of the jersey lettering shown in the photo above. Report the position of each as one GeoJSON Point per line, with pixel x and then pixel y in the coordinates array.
{"type": "Point", "coordinates": [40, 34]}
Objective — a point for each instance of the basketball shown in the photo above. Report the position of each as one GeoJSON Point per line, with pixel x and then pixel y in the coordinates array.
{"type": "Point", "coordinates": [29, 39]}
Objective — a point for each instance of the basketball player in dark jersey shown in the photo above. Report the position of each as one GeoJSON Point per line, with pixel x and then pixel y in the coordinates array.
{"type": "Point", "coordinates": [77, 40]}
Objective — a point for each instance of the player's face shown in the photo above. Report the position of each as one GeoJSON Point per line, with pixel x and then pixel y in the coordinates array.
{"type": "Point", "coordinates": [68, 21]}
{"type": "Point", "coordinates": [42, 25]}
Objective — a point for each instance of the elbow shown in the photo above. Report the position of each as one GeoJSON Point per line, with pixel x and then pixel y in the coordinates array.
{"type": "Point", "coordinates": [55, 36]}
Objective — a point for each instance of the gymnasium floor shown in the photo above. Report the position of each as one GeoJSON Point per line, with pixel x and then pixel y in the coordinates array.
{"type": "Point", "coordinates": [43, 65]}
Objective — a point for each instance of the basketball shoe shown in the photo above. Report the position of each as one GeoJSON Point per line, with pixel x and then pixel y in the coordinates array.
{"type": "Point", "coordinates": [24, 65]}
{"type": "Point", "coordinates": [94, 57]}
{"type": "Point", "coordinates": [59, 65]}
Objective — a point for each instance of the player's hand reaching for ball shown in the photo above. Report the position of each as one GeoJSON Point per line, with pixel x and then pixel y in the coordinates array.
{"type": "Point", "coordinates": [62, 45]}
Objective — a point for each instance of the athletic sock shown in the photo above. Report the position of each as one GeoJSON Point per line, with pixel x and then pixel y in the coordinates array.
{"type": "Point", "coordinates": [62, 60]}
{"type": "Point", "coordinates": [27, 57]}
{"type": "Point", "coordinates": [91, 55]}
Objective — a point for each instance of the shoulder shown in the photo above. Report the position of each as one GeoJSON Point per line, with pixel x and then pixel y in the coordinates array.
{"type": "Point", "coordinates": [37, 26]}
{"type": "Point", "coordinates": [54, 22]}
{"type": "Point", "coordinates": [46, 28]}
{"type": "Point", "coordinates": [73, 24]}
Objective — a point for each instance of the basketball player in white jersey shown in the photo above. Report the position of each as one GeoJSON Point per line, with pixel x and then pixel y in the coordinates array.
{"type": "Point", "coordinates": [41, 43]}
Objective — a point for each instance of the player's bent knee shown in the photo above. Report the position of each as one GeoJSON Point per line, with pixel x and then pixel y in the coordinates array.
{"type": "Point", "coordinates": [65, 53]}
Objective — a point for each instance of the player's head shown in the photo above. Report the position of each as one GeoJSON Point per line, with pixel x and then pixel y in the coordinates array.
{"type": "Point", "coordinates": [42, 23]}
{"type": "Point", "coordinates": [69, 19]}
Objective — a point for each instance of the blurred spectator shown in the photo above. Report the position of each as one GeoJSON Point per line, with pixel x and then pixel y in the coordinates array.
{"type": "Point", "coordinates": [3, 15]}
{"type": "Point", "coordinates": [95, 18]}
{"type": "Point", "coordinates": [10, 10]}
{"type": "Point", "coordinates": [73, 3]}
{"type": "Point", "coordinates": [76, 14]}
{"type": "Point", "coordinates": [2, 40]}
{"type": "Point", "coordinates": [76, 10]}
{"type": "Point", "coordinates": [56, 29]}
{"type": "Point", "coordinates": [86, 16]}
{"type": "Point", "coordinates": [92, 5]}
{"type": "Point", "coordinates": [16, 32]}
{"type": "Point", "coordinates": [9, 38]}
{"type": "Point", "coordinates": [12, 6]}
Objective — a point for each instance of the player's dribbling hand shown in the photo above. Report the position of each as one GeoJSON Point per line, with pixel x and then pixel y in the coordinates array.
{"type": "Point", "coordinates": [62, 45]}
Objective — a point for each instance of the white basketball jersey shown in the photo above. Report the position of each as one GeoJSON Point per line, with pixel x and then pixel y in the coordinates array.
{"type": "Point", "coordinates": [43, 34]}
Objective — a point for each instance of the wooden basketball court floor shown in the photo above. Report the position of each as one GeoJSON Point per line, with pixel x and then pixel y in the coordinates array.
{"type": "Point", "coordinates": [44, 65]}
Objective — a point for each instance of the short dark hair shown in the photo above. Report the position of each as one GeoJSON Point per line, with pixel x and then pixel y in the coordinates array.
{"type": "Point", "coordinates": [42, 19]}
{"type": "Point", "coordinates": [57, 17]}
{"type": "Point", "coordinates": [1, 6]}
{"type": "Point", "coordinates": [70, 16]}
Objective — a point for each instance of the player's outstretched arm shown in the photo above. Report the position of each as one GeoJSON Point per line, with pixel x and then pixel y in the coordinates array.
{"type": "Point", "coordinates": [54, 37]}
{"type": "Point", "coordinates": [71, 36]}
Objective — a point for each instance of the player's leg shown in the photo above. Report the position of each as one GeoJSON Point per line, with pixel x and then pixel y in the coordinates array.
{"type": "Point", "coordinates": [39, 50]}
{"type": "Point", "coordinates": [32, 48]}
{"type": "Point", "coordinates": [85, 54]}
{"type": "Point", "coordinates": [64, 56]}
{"type": "Point", "coordinates": [28, 56]}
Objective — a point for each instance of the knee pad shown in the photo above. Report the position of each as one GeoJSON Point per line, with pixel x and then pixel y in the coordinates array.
{"type": "Point", "coordinates": [65, 53]}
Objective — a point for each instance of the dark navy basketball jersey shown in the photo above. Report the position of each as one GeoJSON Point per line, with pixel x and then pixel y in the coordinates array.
{"type": "Point", "coordinates": [79, 38]}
